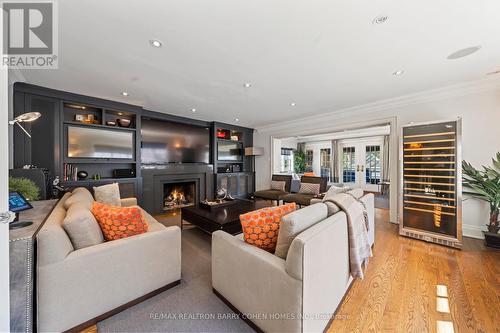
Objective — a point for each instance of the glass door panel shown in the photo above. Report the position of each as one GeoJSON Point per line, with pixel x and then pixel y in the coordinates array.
{"type": "Point", "coordinates": [325, 163]}
{"type": "Point", "coordinates": [373, 167]}
{"type": "Point", "coordinates": [349, 164]}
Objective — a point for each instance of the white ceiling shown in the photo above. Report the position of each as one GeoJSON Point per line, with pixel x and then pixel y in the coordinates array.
{"type": "Point", "coordinates": [322, 55]}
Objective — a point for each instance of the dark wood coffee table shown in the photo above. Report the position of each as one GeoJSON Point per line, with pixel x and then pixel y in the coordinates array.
{"type": "Point", "coordinates": [223, 218]}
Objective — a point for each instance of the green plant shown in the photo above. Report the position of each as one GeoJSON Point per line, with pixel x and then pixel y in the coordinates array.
{"type": "Point", "coordinates": [24, 186]}
{"type": "Point", "coordinates": [485, 185]}
{"type": "Point", "coordinates": [299, 161]}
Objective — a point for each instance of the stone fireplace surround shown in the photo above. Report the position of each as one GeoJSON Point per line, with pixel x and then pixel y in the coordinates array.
{"type": "Point", "coordinates": [154, 178]}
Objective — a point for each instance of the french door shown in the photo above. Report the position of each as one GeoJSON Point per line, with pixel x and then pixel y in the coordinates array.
{"type": "Point", "coordinates": [361, 163]}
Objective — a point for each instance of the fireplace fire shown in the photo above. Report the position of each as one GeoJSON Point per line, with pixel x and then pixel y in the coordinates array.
{"type": "Point", "coordinates": [178, 195]}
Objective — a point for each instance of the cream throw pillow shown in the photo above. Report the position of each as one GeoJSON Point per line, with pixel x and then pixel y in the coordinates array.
{"type": "Point", "coordinates": [108, 194]}
{"type": "Point", "coordinates": [80, 196]}
{"type": "Point", "coordinates": [82, 227]}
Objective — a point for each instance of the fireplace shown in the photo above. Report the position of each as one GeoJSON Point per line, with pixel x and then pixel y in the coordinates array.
{"type": "Point", "coordinates": [178, 194]}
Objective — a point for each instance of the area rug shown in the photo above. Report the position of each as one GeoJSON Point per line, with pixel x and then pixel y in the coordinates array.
{"type": "Point", "coordinates": [188, 307]}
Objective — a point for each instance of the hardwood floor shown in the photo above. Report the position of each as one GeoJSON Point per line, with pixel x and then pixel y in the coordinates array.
{"type": "Point", "coordinates": [400, 290]}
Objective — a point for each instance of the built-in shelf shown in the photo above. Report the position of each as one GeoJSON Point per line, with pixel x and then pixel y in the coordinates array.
{"type": "Point", "coordinates": [97, 180]}
{"type": "Point", "coordinates": [99, 126]}
{"type": "Point", "coordinates": [229, 140]}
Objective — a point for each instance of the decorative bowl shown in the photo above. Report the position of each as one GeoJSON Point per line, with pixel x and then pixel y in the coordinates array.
{"type": "Point", "coordinates": [122, 122]}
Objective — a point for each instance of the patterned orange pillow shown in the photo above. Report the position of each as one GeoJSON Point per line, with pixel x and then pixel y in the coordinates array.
{"type": "Point", "coordinates": [260, 227]}
{"type": "Point", "coordinates": [119, 222]}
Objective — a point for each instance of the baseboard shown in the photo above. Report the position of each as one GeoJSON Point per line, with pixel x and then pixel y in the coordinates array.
{"type": "Point", "coordinates": [472, 231]}
{"type": "Point", "coordinates": [119, 309]}
{"type": "Point", "coordinates": [238, 312]}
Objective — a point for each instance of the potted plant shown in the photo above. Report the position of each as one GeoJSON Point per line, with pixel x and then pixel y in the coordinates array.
{"type": "Point", "coordinates": [25, 186]}
{"type": "Point", "coordinates": [485, 185]}
{"type": "Point", "coordinates": [299, 160]}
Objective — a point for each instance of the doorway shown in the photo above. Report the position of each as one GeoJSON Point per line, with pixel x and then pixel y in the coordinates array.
{"type": "Point", "coordinates": [361, 163]}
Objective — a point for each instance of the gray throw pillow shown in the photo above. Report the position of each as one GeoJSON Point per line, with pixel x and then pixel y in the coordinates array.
{"type": "Point", "coordinates": [82, 227]}
{"type": "Point", "coordinates": [108, 194]}
{"type": "Point", "coordinates": [277, 185]}
{"type": "Point", "coordinates": [309, 188]}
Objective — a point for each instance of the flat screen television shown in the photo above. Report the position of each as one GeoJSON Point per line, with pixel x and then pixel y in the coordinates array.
{"type": "Point", "coordinates": [88, 142]}
{"type": "Point", "coordinates": [169, 142]}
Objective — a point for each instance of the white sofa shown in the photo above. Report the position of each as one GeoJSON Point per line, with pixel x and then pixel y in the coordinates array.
{"type": "Point", "coordinates": [77, 287]}
{"type": "Point", "coordinates": [299, 294]}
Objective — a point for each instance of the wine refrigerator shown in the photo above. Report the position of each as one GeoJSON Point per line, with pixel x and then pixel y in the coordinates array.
{"type": "Point", "coordinates": [431, 182]}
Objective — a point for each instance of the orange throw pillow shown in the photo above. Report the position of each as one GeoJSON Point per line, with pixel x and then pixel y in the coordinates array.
{"type": "Point", "coordinates": [119, 222]}
{"type": "Point", "coordinates": [261, 227]}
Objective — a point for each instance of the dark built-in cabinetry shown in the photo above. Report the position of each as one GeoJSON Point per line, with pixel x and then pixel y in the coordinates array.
{"type": "Point", "coordinates": [50, 148]}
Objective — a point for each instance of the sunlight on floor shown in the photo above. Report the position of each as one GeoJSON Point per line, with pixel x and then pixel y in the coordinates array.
{"type": "Point", "coordinates": [443, 306]}
{"type": "Point", "coordinates": [444, 327]}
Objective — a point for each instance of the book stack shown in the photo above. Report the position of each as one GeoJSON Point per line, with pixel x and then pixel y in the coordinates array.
{"type": "Point", "coordinates": [70, 172]}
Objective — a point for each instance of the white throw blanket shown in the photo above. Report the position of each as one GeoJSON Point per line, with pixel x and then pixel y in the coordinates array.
{"type": "Point", "coordinates": [357, 227]}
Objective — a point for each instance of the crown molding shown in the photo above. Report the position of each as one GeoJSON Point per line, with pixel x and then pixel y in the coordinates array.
{"type": "Point", "coordinates": [439, 94]}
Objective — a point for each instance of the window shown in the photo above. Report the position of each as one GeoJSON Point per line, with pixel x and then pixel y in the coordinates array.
{"type": "Point", "coordinates": [373, 167]}
{"type": "Point", "coordinates": [286, 160]}
{"type": "Point", "coordinates": [349, 164]}
{"type": "Point", "coordinates": [325, 162]}
{"type": "Point", "coordinates": [309, 160]}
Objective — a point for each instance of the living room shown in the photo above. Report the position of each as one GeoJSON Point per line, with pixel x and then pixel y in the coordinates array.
{"type": "Point", "coordinates": [235, 167]}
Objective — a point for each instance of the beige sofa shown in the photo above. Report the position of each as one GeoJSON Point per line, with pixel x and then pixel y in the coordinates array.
{"type": "Point", "coordinates": [77, 287]}
{"type": "Point", "coordinates": [299, 294]}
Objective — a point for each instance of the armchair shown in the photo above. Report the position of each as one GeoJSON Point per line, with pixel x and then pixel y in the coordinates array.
{"type": "Point", "coordinates": [275, 194]}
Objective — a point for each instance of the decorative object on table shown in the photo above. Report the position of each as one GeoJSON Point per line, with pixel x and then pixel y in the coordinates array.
{"type": "Point", "coordinates": [25, 186]}
{"type": "Point", "coordinates": [220, 194]}
{"type": "Point", "coordinates": [485, 185]}
{"type": "Point", "coordinates": [96, 177]}
{"type": "Point", "coordinates": [25, 118]}
{"type": "Point", "coordinates": [431, 182]}
{"type": "Point", "coordinates": [111, 123]}
{"type": "Point", "coordinates": [82, 174]}
{"type": "Point", "coordinates": [210, 205]}
{"type": "Point", "coordinates": [122, 122]}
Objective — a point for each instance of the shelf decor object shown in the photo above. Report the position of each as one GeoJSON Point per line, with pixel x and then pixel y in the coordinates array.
{"type": "Point", "coordinates": [431, 182]}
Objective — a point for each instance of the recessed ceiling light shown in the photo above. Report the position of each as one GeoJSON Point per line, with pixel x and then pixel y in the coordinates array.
{"type": "Point", "coordinates": [120, 113]}
{"type": "Point", "coordinates": [292, 104]}
{"type": "Point", "coordinates": [236, 119]}
{"type": "Point", "coordinates": [247, 85]}
{"type": "Point", "coordinates": [398, 73]}
{"type": "Point", "coordinates": [124, 93]}
{"type": "Point", "coordinates": [463, 52]}
{"type": "Point", "coordinates": [155, 43]}
{"type": "Point", "coordinates": [193, 110]}
{"type": "Point", "coordinates": [380, 19]}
